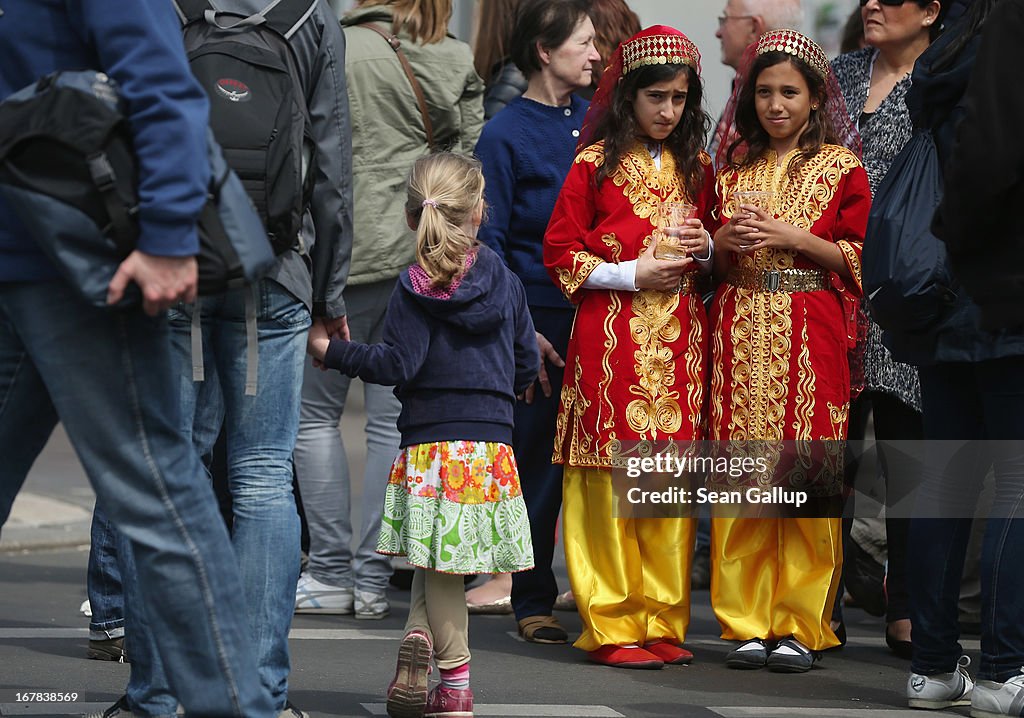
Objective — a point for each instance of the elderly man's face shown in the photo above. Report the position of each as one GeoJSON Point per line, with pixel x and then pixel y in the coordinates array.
{"type": "Point", "coordinates": [736, 30]}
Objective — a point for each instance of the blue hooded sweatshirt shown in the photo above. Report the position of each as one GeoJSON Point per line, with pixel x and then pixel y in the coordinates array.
{"type": "Point", "coordinates": [457, 363]}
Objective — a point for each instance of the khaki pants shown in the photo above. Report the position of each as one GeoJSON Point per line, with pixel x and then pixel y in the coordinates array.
{"type": "Point", "coordinates": [438, 608]}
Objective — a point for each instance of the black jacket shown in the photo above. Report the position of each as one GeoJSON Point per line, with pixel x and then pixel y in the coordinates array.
{"type": "Point", "coordinates": [979, 215]}
{"type": "Point", "coordinates": [506, 84]}
{"type": "Point", "coordinates": [458, 362]}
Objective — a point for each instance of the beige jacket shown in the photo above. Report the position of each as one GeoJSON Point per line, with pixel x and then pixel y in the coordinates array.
{"type": "Point", "coordinates": [388, 134]}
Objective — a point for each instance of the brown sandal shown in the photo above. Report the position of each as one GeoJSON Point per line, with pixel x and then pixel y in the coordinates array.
{"type": "Point", "coordinates": [542, 629]}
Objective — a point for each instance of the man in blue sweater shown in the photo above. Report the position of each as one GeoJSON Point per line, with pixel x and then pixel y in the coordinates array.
{"type": "Point", "coordinates": [108, 374]}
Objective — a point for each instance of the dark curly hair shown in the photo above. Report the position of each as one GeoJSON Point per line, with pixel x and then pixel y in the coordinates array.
{"type": "Point", "coordinates": [819, 130]}
{"type": "Point", "coordinates": [619, 128]}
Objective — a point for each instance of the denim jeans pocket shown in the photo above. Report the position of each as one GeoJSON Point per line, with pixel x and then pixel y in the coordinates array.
{"type": "Point", "coordinates": [280, 306]}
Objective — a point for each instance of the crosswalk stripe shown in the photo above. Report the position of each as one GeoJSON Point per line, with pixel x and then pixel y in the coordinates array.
{"type": "Point", "coordinates": [359, 634]}
{"type": "Point", "coordinates": [521, 710]}
{"type": "Point", "coordinates": [817, 712]}
{"type": "Point", "coordinates": [52, 709]}
{"type": "Point", "coordinates": [299, 634]}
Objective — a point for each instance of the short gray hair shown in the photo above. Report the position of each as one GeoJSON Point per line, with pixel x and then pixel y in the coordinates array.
{"type": "Point", "coordinates": [778, 14]}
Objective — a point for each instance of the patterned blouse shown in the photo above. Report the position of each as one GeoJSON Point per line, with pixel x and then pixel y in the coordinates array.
{"type": "Point", "coordinates": [884, 133]}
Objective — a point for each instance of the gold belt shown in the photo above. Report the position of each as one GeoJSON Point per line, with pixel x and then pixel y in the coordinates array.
{"type": "Point", "coordinates": [779, 280]}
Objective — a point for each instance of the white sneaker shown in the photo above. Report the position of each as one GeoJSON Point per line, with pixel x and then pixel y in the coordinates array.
{"type": "Point", "coordinates": [370, 605]}
{"type": "Point", "coordinates": [312, 596]}
{"type": "Point", "coordinates": [995, 700]}
{"type": "Point", "coordinates": [943, 690]}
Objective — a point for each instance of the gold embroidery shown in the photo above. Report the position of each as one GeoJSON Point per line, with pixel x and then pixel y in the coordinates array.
{"type": "Point", "coordinates": [611, 340]}
{"type": "Point", "coordinates": [644, 185]}
{"type": "Point", "coordinates": [613, 243]}
{"type": "Point", "coordinates": [804, 399]}
{"type": "Point", "coordinates": [839, 415]}
{"type": "Point", "coordinates": [583, 263]}
{"type": "Point", "coordinates": [694, 362]}
{"type": "Point", "coordinates": [803, 202]}
{"type": "Point", "coordinates": [580, 442]}
{"type": "Point", "coordinates": [717, 374]}
{"type": "Point", "coordinates": [567, 398]}
{"type": "Point", "coordinates": [594, 154]}
{"type": "Point", "coordinates": [654, 325]}
{"type": "Point", "coordinates": [852, 251]}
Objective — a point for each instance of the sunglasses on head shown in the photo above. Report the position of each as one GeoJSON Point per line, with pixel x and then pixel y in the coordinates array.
{"type": "Point", "coordinates": [889, 3]}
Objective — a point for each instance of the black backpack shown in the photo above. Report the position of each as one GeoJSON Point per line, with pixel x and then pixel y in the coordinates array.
{"type": "Point", "coordinates": [257, 105]}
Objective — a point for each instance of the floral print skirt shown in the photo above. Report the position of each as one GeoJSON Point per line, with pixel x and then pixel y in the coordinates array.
{"type": "Point", "coordinates": [457, 507]}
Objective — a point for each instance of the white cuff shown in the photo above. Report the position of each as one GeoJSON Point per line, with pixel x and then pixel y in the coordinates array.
{"type": "Point", "coordinates": [609, 275]}
{"type": "Point", "coordinates": [704, 263]}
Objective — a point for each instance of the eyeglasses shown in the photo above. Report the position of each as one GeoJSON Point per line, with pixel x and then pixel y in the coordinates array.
{"type": "Point", "coordinates": [888, 3]}
{"type": "Point", "coordinates": [722, 19]}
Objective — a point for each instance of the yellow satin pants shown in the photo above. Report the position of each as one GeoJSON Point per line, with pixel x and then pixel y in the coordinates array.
{"type": "Point", "coordinates": [630, 576]}
{"type": "Point", "coordinates": [774, 578]}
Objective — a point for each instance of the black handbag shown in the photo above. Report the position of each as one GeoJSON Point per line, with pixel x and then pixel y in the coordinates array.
{"type": "Point", "coordinates": [906, 277]}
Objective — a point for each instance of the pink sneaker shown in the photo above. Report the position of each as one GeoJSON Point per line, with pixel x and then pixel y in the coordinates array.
{"type": "Point", "coordinates": [407, 693]}
{"type": "Point", "coordinates": [449, 703]}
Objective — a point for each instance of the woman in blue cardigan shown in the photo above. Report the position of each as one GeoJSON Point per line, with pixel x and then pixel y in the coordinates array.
{"type": "Point", "coordinates": [526, 150]}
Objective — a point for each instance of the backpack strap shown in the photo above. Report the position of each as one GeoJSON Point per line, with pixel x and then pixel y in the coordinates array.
{"type": "Point", "coordinates": [105, 180]}
{"type": "Point", "coordinates": [287, 16]}
{"type": "Point", "coordinates": [190, 10]}
{"type": "Point", "coordinates": [421, 100]}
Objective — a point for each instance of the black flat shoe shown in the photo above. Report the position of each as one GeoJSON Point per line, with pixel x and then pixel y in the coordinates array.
{"type": "Point", "coordinates": [791, 656]}
{"type": "Point", "coordinates": [900, 649]}
{"type": "Point", "coordinates": [748, 655]}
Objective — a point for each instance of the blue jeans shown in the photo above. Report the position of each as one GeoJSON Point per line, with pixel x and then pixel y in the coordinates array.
{"type": "Point", "coordinates": [103, 580]}
{"type": "Point", "coordinates": [110, 377]}
{"type": "Point", "coordinates": [321, 465]}
{"type": "Point", "coordinates": [982, 401]}
{"type": "Point", "coordinates": [260, 432]}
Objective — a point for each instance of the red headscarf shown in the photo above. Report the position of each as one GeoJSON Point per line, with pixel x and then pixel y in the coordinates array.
{"type": "Point", "coordinates": [657, 45]}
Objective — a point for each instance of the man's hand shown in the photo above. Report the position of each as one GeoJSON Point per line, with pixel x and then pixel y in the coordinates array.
{"type": "Point", "coordinates": [338, 328]}
{"type": "Point", "coordinates": [318, 341]}
{"type": "Point", "coordinates": [164, 281]}
{"type": "Point", "coordinates": [547, 353]}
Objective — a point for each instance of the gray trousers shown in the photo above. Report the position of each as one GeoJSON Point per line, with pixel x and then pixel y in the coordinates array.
{"type": "Point", "coordinates": [321, 464]}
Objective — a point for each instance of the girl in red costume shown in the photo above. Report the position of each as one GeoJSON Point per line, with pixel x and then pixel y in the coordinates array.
{"type": "Point", "coordinates": [635, 368]}
{"type": "Point", "coordinates": [782, 329]}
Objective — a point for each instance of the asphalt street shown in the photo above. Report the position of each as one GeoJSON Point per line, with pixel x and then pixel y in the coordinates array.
{"type": "Point", "coordinates": [341, 666]}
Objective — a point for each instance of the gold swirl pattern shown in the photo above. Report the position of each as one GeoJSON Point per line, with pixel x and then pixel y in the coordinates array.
{"type": "Point", "coordinates": [803, 202]}
{"type": "Point", "coordinates": [852, 252]}
{"type": "Point", "coordinates": [804, 398]}
{"type": "Point", "coordinates": [694, 358]}
{"type": "Point", "coordinates": [839, 415]}
{"type": "Point", "coordinates": [652, 326]}
{"type": "Point", "coordinates": [611, 340]}
{"type": "Point", "coordinates": [566, 400]}
{"type": "Point", "coordinates": [583, 263]}
{"type": "Point", "coordinates": [717, 374]}
{"type": "Point", "coordinates": [580, 443]}
{"type": "Point", "coordinates": [644, 185]}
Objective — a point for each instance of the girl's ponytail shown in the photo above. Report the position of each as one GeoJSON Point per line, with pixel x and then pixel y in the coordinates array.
{"type": "Point", "coordinates": [444, 191]}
